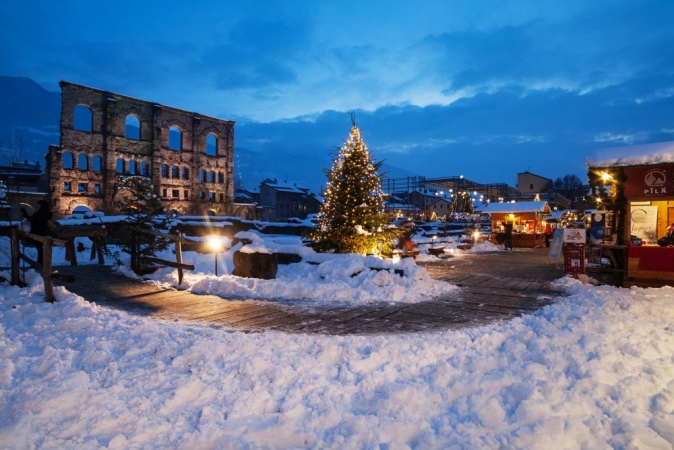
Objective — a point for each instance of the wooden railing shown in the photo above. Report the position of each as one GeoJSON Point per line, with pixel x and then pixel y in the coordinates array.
{"type": "Point", "coordinates": [46, 267]}
{"type": "Point", "coordinates": [178, 238]}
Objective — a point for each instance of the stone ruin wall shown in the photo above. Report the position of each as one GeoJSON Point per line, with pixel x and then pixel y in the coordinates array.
{"type": "Point", "coordinates": [107, 140]}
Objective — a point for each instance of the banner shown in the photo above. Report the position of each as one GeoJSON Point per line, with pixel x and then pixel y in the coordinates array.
{"type": "Point", "coordinates": [644, 222]}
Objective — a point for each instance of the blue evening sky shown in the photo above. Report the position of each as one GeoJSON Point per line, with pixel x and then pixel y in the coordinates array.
{"type": "Point", "coordinates": [485, 89]}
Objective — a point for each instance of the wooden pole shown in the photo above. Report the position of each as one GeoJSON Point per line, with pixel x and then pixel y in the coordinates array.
{"type": "Point", "coordinates": [179, 256]}
{"type": "Point", "coordinates": [47, 268]}
{"type": "Point", "coordinates": [16, 252]}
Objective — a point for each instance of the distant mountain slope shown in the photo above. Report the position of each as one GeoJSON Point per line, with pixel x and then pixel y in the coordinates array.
{"type": "Point", "coordinates": [29, 120]}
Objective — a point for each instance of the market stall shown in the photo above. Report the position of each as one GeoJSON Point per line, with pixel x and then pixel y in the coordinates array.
{"type": "Point", "coordinates": [527, 218]}
{"type": "Point", "coordinates": [636, 183]}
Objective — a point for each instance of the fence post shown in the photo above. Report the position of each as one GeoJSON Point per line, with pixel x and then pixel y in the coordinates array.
{"type": "Point", "coordinates": [179, 255]}
{"type": "Point", "coordinates": [16, 252]}
{"type": "Point", "coordinates": [47, 269]}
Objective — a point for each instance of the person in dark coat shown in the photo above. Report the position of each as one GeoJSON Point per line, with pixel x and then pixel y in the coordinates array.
{"type": "Point", "coordinates": [508, 236]}
{"type": "Point", "coordinates": [39, 224]}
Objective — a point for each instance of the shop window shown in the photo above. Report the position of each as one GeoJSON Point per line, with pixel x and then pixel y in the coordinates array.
{"type": "Point", "coordinates": [83, 119]}
{"type": "Point", "coordinates": [211, 144]}
{"type": "Point", "coordinates": [96, 163]}
{"type": "Point", "coordinates": [175, 138]}
{"type": "Point", "coordinates": [132, 127]}
{"type": "Point", "coordinates": [67, 160]}
{"type": "Point", "coordinates": [119, 166]}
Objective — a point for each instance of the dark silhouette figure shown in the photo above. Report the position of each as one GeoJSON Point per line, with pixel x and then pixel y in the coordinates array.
{"type": "Point", "coordinates": [508, 236]}
{"type": "Point", "coordinates": [548, 233]}
{"type": "Point", "coordinates": [39, 224]}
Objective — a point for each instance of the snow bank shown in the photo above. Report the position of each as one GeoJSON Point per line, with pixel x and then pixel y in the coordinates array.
{"type": "Point", "coordinates": [595, 370]}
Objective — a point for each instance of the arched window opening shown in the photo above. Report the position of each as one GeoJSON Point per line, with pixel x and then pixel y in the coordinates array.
{"type": "Point", "coordinates": [211, 144]}
{"type": "Point", "coordinates": [83, 119]}
{"type": "Point", "coordinates": [211, 176]}
{"type": "Point", "coordinates": [175, 138]}
{"type": "Point", "coordinates": [164, 171]}
{"type": "Point", "coordinates": [132, 127]}
{"type": "Point", "coordinates": [132, 167]}
{"type": "Point", "coordinates": [186, 173]}
{"type": "Point", "coordinates": [119, 166]}
{"type": "Point", "coordinates": [96, 163]}
{"type": "Point", "coordinates": [81, 209]}
{"type": "Point", "coordinates": [221, 177]}
{"type": "Point", "coordinates": [82, 162]}
{"type": "Point", "coordinates": [202, 175]}
{"type": "Point", "coordinates": [175, 172]}
{"type": "Point", "coordinates": [67, 160]}
{"type": "Point", "coordinates": [144, 169]}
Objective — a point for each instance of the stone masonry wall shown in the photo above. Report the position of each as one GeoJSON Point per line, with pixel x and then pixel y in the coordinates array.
{"type": "Point", "coordinates": [108, 153]}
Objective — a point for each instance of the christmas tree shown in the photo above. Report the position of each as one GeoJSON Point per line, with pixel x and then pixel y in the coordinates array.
{"type": "Point", "coordinates": [352, 219]}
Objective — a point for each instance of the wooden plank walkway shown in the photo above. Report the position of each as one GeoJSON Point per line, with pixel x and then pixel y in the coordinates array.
{"type": "Point", "coordinates": [494, 287]}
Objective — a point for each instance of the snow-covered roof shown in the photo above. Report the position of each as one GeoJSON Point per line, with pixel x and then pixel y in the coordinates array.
{"type": "Point", "coordinates": [286, 186]}
{"type": "Point", "coordinates": [633, 155]}
{"type": "Point", "coordinates": [518, 207]}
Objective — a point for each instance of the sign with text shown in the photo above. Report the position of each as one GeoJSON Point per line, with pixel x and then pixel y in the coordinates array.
{"type": "Point", "coordinates": [644, 222]}
{"type": "Point", "coordinates": [574, 259]}
{"type": "Point", "coordinates": [574, 236]}
{"type": "Point", "coordinates": [649, 181]}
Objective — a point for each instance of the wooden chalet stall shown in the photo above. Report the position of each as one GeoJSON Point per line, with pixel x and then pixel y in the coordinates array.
{"type": "Point", "coordinates": [528, 219]}
{"type": "Point", "coordinates": [637, 182]}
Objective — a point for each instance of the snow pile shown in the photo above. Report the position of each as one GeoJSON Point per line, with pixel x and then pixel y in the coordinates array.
{"type": "Point", "coordinates": [595, 370]}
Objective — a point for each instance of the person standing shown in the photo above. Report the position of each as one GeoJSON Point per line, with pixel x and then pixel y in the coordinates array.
{"type": "Point", "coordinates": [508, 235]}
{"type": "Point", "coordinates": [548, 233]}
{"type": "Point", "coordinates": [39, 224]}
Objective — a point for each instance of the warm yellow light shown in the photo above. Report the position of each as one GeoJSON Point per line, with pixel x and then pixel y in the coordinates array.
{"type": "Point", "coordinates": [215, 243]}
{"type": "Point", "coordinates": [511, 215]}
{"type": "Point", "coordinates": [606, 176]}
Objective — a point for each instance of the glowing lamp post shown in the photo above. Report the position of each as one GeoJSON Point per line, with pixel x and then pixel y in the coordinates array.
{"type": "Point", "coordinates": [216, 245]}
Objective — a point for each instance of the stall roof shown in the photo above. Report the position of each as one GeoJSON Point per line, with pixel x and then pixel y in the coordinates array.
{"type": "Point", "coordinates": [633, 155]}
{"type": "Point", "coordinates": [518, 207]}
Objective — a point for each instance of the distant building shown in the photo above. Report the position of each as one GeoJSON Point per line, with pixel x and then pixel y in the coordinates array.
{"type": "Point", "coordinates": [528, 182]}
{"type": "Point", "coordinates": [24, 184]}
{"type": "Point", "coordinates": [104, 136]}
{"type": "Point", "coordinates": [280, 201]}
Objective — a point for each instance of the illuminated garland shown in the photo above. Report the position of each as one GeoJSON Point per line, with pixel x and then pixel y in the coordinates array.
{"type": "Point", "coordinates": [608, 189]}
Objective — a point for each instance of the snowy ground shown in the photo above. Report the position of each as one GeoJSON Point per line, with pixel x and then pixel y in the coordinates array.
{"type": "Point", "coordinates": [594, 370]}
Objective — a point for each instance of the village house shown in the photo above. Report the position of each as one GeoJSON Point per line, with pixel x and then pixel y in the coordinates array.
{"type": "Point", "coordinates": [281, 200]}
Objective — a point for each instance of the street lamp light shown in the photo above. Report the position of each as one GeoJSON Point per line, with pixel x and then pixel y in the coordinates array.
{"type": "Point", "coordinates": [215, 242]}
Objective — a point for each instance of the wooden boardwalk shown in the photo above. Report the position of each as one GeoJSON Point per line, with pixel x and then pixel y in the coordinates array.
{"type": "Point", "coordinates": [493, 287]}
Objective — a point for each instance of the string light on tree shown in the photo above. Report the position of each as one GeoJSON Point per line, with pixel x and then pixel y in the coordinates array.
{"type": "Point", "coordinates": [352, 213]}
